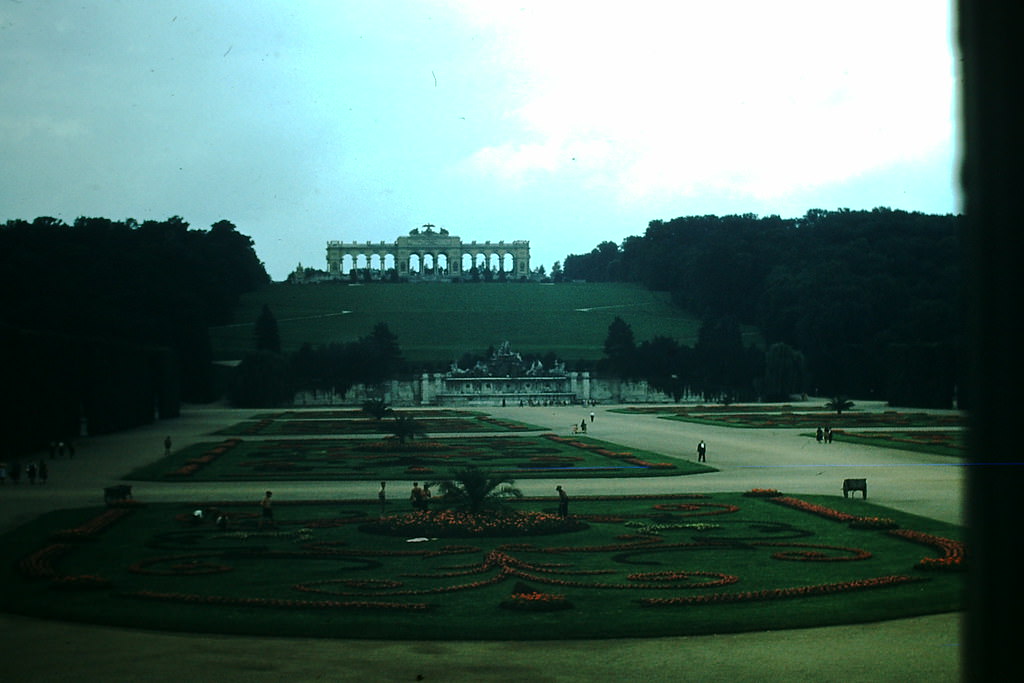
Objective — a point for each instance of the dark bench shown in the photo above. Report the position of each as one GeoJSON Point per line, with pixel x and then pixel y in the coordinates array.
{"type": "Point", "coordinates": [855, 485]}
{"type": "Point", "coordinates": [113, 494]}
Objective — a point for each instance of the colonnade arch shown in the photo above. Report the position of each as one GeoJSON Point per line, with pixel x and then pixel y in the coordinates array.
{"type": "Point", "coordinates": [429, 254]}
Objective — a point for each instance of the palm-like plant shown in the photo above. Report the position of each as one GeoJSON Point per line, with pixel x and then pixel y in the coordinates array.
{"type": "Point", "coordinates": [476, 490]}
{"type": "Point", "coordinates": [839, 404]}
{"type": "Point", "coordinates": [376, 408]}
{"type": "Point", "coordinates": [405, 427]}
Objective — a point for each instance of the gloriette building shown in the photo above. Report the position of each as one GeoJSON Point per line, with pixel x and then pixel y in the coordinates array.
{"type": "Point", "coordinates": [430, 253]}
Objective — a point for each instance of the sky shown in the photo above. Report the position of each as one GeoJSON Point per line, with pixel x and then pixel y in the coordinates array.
{"type": "Point", "coordinates": [565, 123]}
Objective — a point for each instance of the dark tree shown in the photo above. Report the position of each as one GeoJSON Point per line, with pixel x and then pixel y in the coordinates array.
{"type": "Point", "coordinates": [785, 372]}
{"type": "Point", "coordinates": [267, 337]}
{"type": "Point", "coordinates": [620, 348]}
{"type": "Point", "coordinates": [261, 380]}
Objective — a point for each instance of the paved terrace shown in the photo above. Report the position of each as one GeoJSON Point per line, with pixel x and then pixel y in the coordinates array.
{"type": "Point", "coordinates": [918, 649]}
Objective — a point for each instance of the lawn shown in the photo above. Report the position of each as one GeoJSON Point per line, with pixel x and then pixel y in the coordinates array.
{"type": "Point", "coordinates": [633, 567]}
{"type": "Point", "coordinates": [335, 422]}
{"type": "Point", "coordinates": [947, 442]}
{"type": "Point", "coordinates": [571, 319]}
{"type": "Point", "coordinates": [515, 456]}
{"type": "Point", "coordinates": [773, 419]}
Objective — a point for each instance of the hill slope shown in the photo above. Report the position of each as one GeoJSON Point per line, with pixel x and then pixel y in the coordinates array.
{"type": "Point", "coordinates": [439, 322]}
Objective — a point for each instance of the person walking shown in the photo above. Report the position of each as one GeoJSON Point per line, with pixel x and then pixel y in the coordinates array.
{"type": "Point", "coordinates": [563, 502]}
{"type": "Point", "coordinates": [167, 446]}
{"type": "Point", "coordinates": [382, 496]}
{"type": "Point", "coordinates": [31, 471]}
{"type": "Point", "coordinates": [3, 473]}
{"type": "Point", "coordinates": [44, 471]}
{"type": "Point", "coordinates": [702, 452]}
{"type": "Point", "coordinates": [416, 496]}
{"type": "Point", "coordinates": [266, 511]}
{"type": "Point", "coordinates": [15, 472]}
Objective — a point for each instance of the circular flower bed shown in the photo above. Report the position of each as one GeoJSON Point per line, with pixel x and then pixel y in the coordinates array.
{"type": "Point", "coordinates": [456, 524]}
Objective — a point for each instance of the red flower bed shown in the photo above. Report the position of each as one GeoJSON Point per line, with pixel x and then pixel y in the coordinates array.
{"type": "Point", "coordinates": [223, 600]}
{"type": "Point", "coordinates": [80, 582]}
{"type": "Point", "coordinates": [953, 558]}
{"type": "Point", "coordinates": [820, 510]}
{"type": "Point", "coordinates": [39, 565]}
{"type": "Point", "coordinates": [178, 565]}
{"type": "Point", "coordinates": [762, 493]}
{"type": "Point", "coordinates": [88, 530]}
{"type": "Point", "coordinates": [452, 523]}
{"type": "Point", "coordinates": [816, 554]}
{"type": "Point", "coordinates": [686, 578]}
{"type": "Point", "coordinates": [781, 593]}
{"type": "Point", "coordinates": [536, 602]}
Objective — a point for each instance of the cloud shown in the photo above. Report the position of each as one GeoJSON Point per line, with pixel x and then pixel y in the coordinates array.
{"type": "Point", "coordinates": [758, 99]}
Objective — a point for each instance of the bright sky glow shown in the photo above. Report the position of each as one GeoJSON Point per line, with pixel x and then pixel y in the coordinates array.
{"type": "Point", "coordinates": [564, 123]}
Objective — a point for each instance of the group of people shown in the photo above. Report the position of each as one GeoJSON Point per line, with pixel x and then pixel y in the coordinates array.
{"type": "Point", "coordinates": [59, 448]}
{"type": "Point", "coordinates": [824, 435]}
{"type": "Point", "coordinates": [33, 472]}
{"type": "Point", "coordinates": [418, 497]}
{"type": "Point", "coordinates": [582, 426]}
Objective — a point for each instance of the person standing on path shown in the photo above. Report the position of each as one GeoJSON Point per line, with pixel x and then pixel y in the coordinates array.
{"type": "Point", "coordinates": [563, 502]}
{"type": "Point", "coordinates": [15, 472]}
{"type": "Point", "coordinates": [167, 446]}
{"type": "Point", "coordinates": [44, 471]}
{"type": "Point", "coordinates": [591, 415]}
{"type": "Point", "coordinates": [382, 496]}
{"type": "Point", "coordinates": [266, 512]}
{"type": "Point", "coordinates": [3, 473]}
{"type": "Point", "coordinates": [702, 452]}
{"type": "Point", "coordinates": [416, 496]}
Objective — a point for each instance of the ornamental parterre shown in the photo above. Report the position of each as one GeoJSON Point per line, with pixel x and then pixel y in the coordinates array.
{"type": "Point", "coordinates": [564, 568]}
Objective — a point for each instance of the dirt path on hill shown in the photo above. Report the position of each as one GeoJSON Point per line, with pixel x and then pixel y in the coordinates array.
{"type": "Point", "coordinates": [919, 649]}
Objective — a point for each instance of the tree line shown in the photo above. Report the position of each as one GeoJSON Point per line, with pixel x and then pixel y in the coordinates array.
{"type": "Point", "coordinates": [267, 377]}
{"type": "Point", "coordinates": [101, 308]}
{"type": "Point", "coordinates": [868, 301]}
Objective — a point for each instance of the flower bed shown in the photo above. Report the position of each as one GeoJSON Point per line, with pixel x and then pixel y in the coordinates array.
{"type": "Point", "coordinates": [223, 600]}
{"type": "Point", "coordinates": [94, 526]}
{"type": "Point", "coordinates": [454, 524]}
{"type": "Point", "coordinates": [80, 582]}
{"type": "Point", "coordinates": [39, 565]}
{"type": "Point", "coordinates": [873, 523]}
{"type": "Point", "coordinates": [780, 593]}
{"type": "Point", "coordinates": [762, 493]}
{"type": "Point", "coordinates": [536, 602]}
{"type": "Point", "coordinates": [820, 510]}
{"type": "Point", "coordinates": [952, 559]}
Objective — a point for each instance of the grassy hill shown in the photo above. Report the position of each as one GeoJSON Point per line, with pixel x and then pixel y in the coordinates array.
{"type": "Point", "coordinates": [439, 322]}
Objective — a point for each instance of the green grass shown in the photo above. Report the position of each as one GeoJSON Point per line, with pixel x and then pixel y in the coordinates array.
{"type": "Point", "coordinates": [245, 581]}
{"type": "Point", "coordinates": [951, 443]}
{"type": "Point", "coordinates": [439, 322]}
{"type": "Point", "coordinates": [348, 422]}
{"type": "Point", "coordinates": [377, 459]}
{"type": "Point", "coordinates": [766, 419]}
